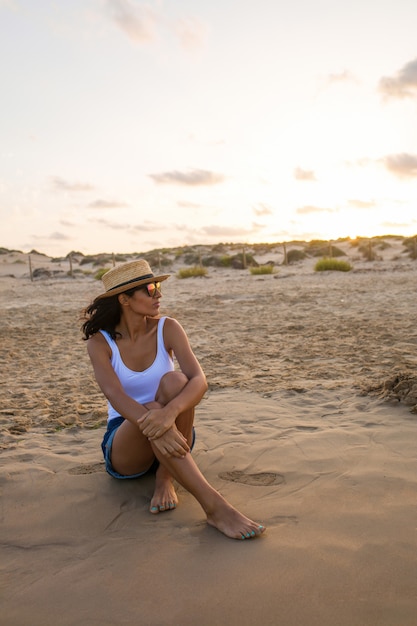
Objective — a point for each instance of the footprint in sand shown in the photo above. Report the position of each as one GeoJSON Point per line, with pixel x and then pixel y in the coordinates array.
{"type": "Point", "coordinates": [263, 479]}
{"type": "Point", "coordinates": [87, 469]}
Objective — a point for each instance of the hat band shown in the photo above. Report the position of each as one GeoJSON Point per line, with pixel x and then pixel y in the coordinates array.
{"type": "Point", "coordinates": [133, 280]}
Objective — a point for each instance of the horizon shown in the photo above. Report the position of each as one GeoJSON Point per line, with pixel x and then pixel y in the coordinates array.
{"type": "Point", "coordinates": [132, 125]}
{"type": "Point", "coordinates": [235, 244]}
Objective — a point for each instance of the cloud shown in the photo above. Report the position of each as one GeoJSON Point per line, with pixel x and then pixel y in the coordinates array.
{"type": "Point", "coordinates": [193, 178]}
{"type": "Point", "coordinates": [137, 21]}
{"type": "Point", "coordinates": [58, 236]}
{"type": "Point", "coordinates": [9, 4]}
{"type": "Point", "coordinates": [145, 226]}
{"type": "Point", "coordinates": [107, 204]}
{"type": "Point", "coordinates": [402, 165]}
{"type": "Point", "coordinates": [110, 224]}
{"type": "Point", "coordinates": [59, 184]}
{"type": "Point", "coordinates": [149, 227]}
{"type": "Point", "coordinates": [191, 32]}
{"type": "Point", "coordinates": [261, 209]}
{"type": "Point", "coordinates": [397, 225]}
{"type": "Point", "coordinates": [306, 210]}
{"type": "Point", "coordinates": [403, 84]}
{"type": "Point", "coordinates": [141, 23]}
{"type": "Point", "coordinates": [337, 78]}
{"type": "Point", "coordinates": [300, 174]}
{"type": "Point", "coordinates": [341, 77]}
{"type": "Point", "coordinates": [362, 204]}
{"type": "Point", "coordinates": [361, 162]}
{"type": "Point", "coordinates": [229, 231]}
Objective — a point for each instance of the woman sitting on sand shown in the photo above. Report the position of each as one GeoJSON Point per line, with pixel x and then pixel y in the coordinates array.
{"type": "Point", "coordinates": [151, 405]}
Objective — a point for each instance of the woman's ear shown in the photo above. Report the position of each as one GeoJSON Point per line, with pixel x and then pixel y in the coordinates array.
{"type": "Point", "coordinates": [123, 299]}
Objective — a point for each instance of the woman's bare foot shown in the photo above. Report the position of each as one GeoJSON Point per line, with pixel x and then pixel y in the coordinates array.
{"type": "Point", "coordinates": [232, 523]}
{"type": "Point", "coordinates": [164, 497]}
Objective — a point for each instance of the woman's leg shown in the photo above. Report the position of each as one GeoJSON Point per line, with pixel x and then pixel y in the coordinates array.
{"type": "Point", "coordinates": [219, 512]}
{"type": "Point", "coordinates": [132, 453]}
{"type": "Point", "coordinates": [165, 497]}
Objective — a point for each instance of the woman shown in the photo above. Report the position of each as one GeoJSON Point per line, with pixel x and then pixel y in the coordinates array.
{"type": "Point", "coordinates": [150, 404]}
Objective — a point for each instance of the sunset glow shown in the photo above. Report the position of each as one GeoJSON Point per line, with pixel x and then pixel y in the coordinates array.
{"type": "Point", "coordinates": [131, 125]}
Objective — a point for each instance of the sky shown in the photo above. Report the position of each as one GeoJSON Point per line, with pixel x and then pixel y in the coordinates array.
{"type": "Point", "coordinates": [127, 126]}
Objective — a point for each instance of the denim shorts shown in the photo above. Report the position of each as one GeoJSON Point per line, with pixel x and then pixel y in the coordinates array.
{"type": "Point", "coordinates": [106, 445]}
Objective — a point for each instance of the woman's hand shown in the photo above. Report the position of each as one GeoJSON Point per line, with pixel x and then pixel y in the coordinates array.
{"type": "Point", "coordinates": [155, 423]}
{"type": "Point", "coordinates": [172, 443]}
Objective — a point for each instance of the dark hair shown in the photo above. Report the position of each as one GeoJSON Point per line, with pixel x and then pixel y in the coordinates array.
{"type": "Point", "coordinates": [103, 314]}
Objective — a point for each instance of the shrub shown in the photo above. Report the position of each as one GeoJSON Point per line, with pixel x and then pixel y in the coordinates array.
{"type": "Point", "coordinates": [156, 260]}
{"type": "Point", "coordinates": [191, 258]}
{"type": "Point", "coordinates": [191, 272]}
{"type": "Point", "coordinates": [324, 250]}
{"type": "Point", "coordinates": [334, 265]}
{"type": "Point", "coordinates": [411, 247]}
{"type": "Point", "coordinates": [225, 260]}
{"type": "Point", "coordinates": [98, 275]}
{"type": "Point", "coordinates": [242, 260]}
{"type": "Point", "coordinates": [216, 261]}
{"type": "Point", "coordinates": [262, 269]}
{"type": "Point", "coordinates": [293, 256]}
{"type": "Point", "coordinates": [366, 248]}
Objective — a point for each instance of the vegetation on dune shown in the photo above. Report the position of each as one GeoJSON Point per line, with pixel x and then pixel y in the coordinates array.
{"type": "Point", "coordinates": [99, 274]}
{"type": "Point", "coordinates": [333, 265]}
{"type": "Point", "coordinates": [239, 256]}
{"type": "Point", "coordinates": [323, 248]}
{"type": "Point", "coordinates": [192, 272]}
{"type": "Point", "coordinates": [262, 269]}
{"type": "Point", "coordinates": [410, 246]}
{"type": "Point", "coordinates": [294, 256]}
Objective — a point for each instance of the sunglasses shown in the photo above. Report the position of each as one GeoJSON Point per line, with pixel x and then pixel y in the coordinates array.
{"type": "Point", "coordinates": [152, 288]}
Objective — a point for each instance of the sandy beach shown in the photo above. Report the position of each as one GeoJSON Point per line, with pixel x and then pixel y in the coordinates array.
{"type": "Point", "coordinates": [309, 426]}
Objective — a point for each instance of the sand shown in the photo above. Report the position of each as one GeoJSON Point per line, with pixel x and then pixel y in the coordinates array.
{"type": "Point", "coordinates": [309, 426]}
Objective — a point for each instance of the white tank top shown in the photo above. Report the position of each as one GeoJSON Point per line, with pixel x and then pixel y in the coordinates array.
{"type": "Point", "coordinates": [141, 386]}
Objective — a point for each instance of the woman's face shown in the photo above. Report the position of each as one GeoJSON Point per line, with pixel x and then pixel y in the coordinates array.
{"type": "Point", "coordinates": [145, 300]}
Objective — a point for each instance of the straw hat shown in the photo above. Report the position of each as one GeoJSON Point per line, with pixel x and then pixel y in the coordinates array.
{"type": "Point", "coordinates": [127, 276]}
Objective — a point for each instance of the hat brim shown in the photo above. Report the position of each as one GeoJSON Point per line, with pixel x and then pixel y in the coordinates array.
{"type": "Point", "coordinates": [135, 283]}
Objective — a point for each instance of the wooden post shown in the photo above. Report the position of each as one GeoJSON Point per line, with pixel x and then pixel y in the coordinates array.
{"type": "Point", "coordinates": [114, 259]}
{"type": "Point", "coordinates": [330, 250]}
{"type": "Point", "coordinates": [415, 248]}
{"type": "Point", "coordinates": [244, 258]}
{"type": "Point", "coordinates": [285, 254]}
{"type": "Point", "coordinates": [70, 262]}
{"type": "Point", "coordinates": [30, 269]}
{"type": "Point", "coordinates": [370, 250]}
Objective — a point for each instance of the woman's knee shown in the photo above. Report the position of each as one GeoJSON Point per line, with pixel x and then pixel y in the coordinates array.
{"type": "Point", "coordinates": [170, 386]}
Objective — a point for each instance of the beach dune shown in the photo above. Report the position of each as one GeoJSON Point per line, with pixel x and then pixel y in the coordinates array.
{"type": "Point", "coordinates": [309, 426]}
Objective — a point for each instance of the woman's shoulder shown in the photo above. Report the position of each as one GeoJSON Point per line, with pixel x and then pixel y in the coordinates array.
{"type": "Point", "coordinates": [170, 322]}
{"type": "Point", "coordinates": [173, 330]}
{"type": "Point", "coordinates": [99, 341]}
